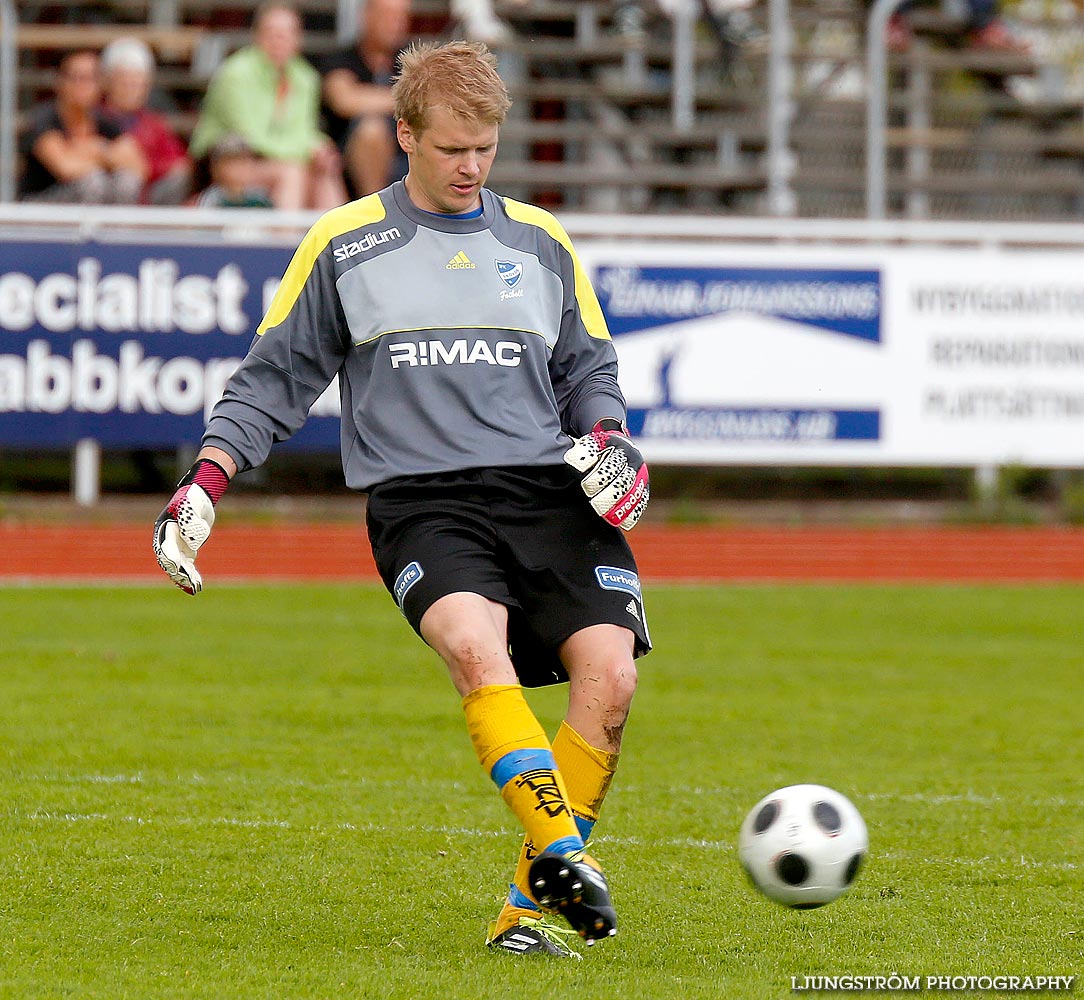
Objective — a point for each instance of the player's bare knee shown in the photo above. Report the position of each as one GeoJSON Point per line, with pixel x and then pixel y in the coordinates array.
{"type": "Point", "coordinates": [612, 684]}
{"type": "Point", "coordinates": [622, 680]}
{"type": "Point", "coordinates": [473, 663]}
{"type": "Point", "coordinates": [463, 654]}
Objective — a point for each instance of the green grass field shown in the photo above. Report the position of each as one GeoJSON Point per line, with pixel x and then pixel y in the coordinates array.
{"type": "Point", "coordinates": [268, 792]}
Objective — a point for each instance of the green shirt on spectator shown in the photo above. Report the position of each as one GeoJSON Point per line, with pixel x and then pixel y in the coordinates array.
{"type": "Point", "coordinates": [242, 98]}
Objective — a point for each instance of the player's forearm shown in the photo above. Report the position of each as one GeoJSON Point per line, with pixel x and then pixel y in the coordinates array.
{"type": "Point", "coordinates": [217, 455]}
{"type": "Point", "coordinates": [595, 398]}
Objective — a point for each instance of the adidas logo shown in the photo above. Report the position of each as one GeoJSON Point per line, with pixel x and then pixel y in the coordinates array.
{"type": "Point", "coordinates": [633, 610]}
{"type": "Point", "coordinates": [460, 262]}
{"type": "Point", "coordinates": [594, 877]}
{"type": "Point", "coordinates": [516, 942]}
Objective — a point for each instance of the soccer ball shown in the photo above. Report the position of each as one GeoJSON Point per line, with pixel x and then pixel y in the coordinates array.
{"type": "Point", "coordinates": [803, 845]}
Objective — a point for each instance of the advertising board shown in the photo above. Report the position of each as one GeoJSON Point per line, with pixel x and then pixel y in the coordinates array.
{"type": "Point", "coordinates": [730, 354]}
{"type": "Point", "coordinates": [129, 345]}
{"type": "Point", "coordinates": [900, 356]}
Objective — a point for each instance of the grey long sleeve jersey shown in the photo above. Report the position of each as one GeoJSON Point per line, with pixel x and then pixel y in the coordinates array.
{"type": "Point", "coordinates": [459, 343]}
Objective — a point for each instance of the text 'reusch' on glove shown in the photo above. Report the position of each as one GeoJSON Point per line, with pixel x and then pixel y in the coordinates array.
{"type": "Point", "coordinates": [615, 476]}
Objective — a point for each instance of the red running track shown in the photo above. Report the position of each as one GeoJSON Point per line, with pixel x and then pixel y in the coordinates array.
{"type": "Point", "coordinates": [341, 552]}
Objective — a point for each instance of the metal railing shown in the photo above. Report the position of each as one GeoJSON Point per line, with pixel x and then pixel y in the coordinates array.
{"type": "Point", "coordinates": [267, 227]}
{"type": "Point", "coordinates": [876, 106]}
{"type": "Point", "coordinates": [9, 31]}
{"type": "Point", "coordinates": [780, 156]}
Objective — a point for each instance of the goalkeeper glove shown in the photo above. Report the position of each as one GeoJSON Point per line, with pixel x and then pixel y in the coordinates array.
{"type": "Point", "coordinates": [186, 522]}
{"type": "Point", "coordinates": [615, 474]}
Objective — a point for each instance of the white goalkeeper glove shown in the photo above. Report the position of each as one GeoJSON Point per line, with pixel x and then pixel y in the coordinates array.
{"type": "Point", "coordinates": [185, 523]}
{"type": "Point", "coordinates": [615, 474]}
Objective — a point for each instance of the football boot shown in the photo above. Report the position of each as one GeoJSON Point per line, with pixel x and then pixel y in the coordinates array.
{"type": "Point", "coordinates": [576, 889]}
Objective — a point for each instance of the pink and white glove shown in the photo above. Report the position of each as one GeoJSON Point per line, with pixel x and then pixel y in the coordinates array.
{"type": "Point", "coordinates": [615, 474]}
{"type": "Point", "coordinates": [185, 523]}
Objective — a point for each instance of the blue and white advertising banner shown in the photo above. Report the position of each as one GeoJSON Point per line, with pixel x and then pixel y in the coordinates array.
{"type": "Point", "coordinates": [130, 345]}
{"type": "Point", "coordinates": [731, 354]}
{"type": "Point", "coordinates": [755, 355]}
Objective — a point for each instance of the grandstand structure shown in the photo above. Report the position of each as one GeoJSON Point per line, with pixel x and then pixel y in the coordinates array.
{"type": "Point", "coordinates": [685, 120]}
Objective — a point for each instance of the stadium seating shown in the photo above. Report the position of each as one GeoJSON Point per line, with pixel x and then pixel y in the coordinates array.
{"type": "Point", "coordinates": [972, 134]}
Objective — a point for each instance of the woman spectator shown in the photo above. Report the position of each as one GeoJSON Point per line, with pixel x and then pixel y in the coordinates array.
{"type": "Point", "coordinates": [76, 154]}
{"type": "Point", "coordinates": [128, 72]}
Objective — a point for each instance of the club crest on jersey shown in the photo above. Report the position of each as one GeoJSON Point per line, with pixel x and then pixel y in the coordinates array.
{"type": "Point", "coordinates": [612, 578]}
{"type": "Point", "coordinates": [510, 271]}
{"type": "Point", "coordinates": [411, 574]}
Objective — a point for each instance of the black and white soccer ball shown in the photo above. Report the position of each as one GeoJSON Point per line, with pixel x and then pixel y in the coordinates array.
{"type": "Point", "coordinates": [803, 845]}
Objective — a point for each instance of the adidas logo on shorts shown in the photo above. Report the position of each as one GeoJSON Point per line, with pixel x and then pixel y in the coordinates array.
{"type": "Point", "coordinates": [633, 610]}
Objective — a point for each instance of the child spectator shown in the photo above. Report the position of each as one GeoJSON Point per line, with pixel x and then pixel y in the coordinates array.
{"type": "Point", "coordinates": [233, 167]}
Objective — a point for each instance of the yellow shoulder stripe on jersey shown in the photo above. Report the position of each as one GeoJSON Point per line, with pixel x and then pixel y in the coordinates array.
{"type": "Point", "coordinates": [363, 212]}
{"type": "Point", "coordinates": [590, 310]}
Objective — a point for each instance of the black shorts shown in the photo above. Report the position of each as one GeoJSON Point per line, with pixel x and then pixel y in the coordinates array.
{"type": "Point", "coordinates": [526, 538]}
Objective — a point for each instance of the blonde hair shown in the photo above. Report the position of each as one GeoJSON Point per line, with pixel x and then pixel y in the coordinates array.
{"type": "Point", "coordinates": [459, 76]}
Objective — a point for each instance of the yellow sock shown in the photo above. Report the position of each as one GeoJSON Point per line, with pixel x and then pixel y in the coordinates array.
{"type": "Point", "coordinates": [587, 772]}
{"type": "Point", "coordinates": [513, 750]}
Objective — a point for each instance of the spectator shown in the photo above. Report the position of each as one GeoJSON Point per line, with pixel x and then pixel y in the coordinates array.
{"type": "Point", "coordinates": [358, 105]}
{"type": "Point", "coordinates": [269, 94]}
{"type": "Point", "coordinates": [128, 71]}
{"type": "Point", "coordinates": [983, 29]}
{"type": "Point", "coordinates": [630, 19]}
{"type": "Point", "coordinates": [480, 22]}
{"type": "Point", "coordinates": [728, 20]}
{"type": "Point", "coordinates": [234, 168]}
{"type": "Point", "coordinates": [76, 154]}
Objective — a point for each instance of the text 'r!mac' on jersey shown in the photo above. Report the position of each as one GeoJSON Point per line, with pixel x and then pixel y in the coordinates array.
{"type": "Point", "coordinates": [458, 343]}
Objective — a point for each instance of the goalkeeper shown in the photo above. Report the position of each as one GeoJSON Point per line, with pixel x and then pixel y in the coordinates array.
{"type": "Point", "coordinates": [482, 415]}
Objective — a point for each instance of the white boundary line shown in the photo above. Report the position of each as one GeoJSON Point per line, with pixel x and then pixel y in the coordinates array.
{"type": "Point", "coordinates": [681, 843]}
{"type": "Point", "coordinates": [968, 798]}
{"type": "Point", "coordinates": [924, 798]}
{"type": "Point", "coordinates": [987, 862]}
